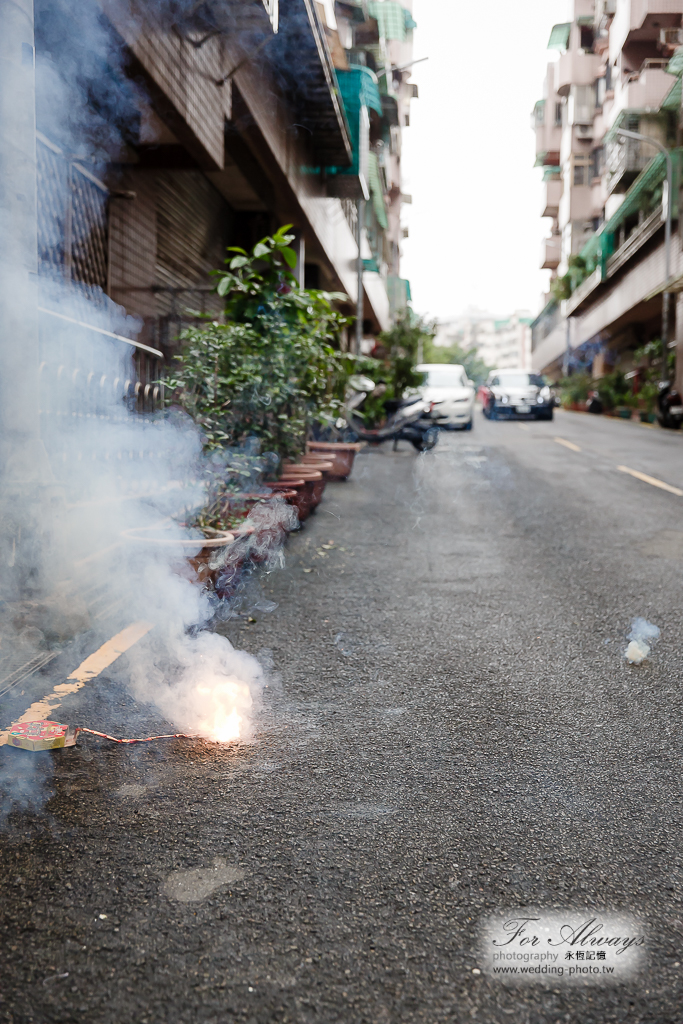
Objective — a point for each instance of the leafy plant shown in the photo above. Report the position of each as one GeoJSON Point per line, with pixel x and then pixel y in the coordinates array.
{"type": "Point", "coordinates": [577, 270]}
{"type": "Point", "coordinates": [394, 372]}
{"type": "Point", "coordinates": [613, 389]}
{"type": "Point", "coordinates": [575, 388]}
{"type": "Point", "coordinates": [648, 395]}
{"type": "Point", "coordinates": [271, 365]}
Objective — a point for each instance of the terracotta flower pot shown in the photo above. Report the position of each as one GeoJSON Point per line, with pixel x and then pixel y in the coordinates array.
{"type": "Point", "coordinates": [342, 454]}
{"type": "Point", "coordinates": [314, 479]}
{"type": "Point", "coordinates": [297, 495]}
{"type": "Point", "coordinates": [321, 462]}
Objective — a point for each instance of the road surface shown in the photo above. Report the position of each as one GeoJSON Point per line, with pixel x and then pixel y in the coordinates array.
{"type": "Point", "coordinates": [451, 729]}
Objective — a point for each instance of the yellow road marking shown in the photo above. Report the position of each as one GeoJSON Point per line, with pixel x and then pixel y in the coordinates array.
{"type": "Point", "coordinates": [87, 670]}
{"type": "Point", "coordinates": [652, 480]}
{"type": "Point", "coordinates": [568, 444]}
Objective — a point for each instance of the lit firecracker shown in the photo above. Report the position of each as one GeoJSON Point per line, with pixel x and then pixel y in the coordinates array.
{"type": "Point", "coordinates": [222, 725]}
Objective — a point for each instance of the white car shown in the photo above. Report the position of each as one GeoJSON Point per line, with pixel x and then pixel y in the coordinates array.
{"type": "Point", "coordinates": [448, 385]}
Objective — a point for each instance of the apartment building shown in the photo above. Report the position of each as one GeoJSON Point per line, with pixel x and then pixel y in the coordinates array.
{"type": "Point", "coordinates": [618, 67]}
{"type": "Point", "coordinates": [208, 125]}
{"type": "Point", "coordinates": [501, 342]}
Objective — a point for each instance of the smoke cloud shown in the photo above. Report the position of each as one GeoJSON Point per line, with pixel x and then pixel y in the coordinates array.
{"type": "Point", "coordinates": [97, 494]}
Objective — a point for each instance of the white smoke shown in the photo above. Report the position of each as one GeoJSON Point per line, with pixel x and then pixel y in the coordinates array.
{"type": "Point", "coordinates": [641, 637]}
{"type": "Point", "coordinates": [94, 504]}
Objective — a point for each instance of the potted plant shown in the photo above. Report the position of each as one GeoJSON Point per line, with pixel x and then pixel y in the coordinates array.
{"type": "Point", "coordinates": [270, 367]}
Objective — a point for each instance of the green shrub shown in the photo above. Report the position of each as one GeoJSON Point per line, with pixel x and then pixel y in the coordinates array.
{"type": "Point", "coordinates": [271, 365]}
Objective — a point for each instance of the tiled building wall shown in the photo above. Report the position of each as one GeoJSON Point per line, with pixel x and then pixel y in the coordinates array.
{"type": "Point", "coordinates": [162, 245]}
{"type": "Point", "coordinates": [181, 78]}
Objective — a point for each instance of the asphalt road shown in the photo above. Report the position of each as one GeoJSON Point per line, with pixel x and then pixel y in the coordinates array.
{"type": "Point", "coordinates": [451, 728]}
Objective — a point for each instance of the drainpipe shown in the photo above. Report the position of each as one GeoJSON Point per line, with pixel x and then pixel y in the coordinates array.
{"type": "Point", "coordinates": [360, 216]}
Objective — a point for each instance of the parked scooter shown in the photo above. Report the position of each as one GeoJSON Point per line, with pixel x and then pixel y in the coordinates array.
{"type": "Point", "coordinates": [408, 419]}
{"type": "Point", "coordinates": [669, 406]}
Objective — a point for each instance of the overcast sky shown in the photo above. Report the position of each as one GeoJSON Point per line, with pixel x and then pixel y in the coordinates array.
{"type": "Point", "coordinates": [475, 230]}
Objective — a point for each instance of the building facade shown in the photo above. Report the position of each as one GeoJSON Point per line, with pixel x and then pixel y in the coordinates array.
{"type": "Point", "coordinates": [501, 342]}
{"type": "Point", "coordinates": [618, 68]}
{"type": "Point", "coordinates": [212, 128]}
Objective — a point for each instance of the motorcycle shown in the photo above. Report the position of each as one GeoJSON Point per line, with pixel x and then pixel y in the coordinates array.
{"type": "Point", "coordinates": [669, 406]}
{"type": "Point", "coordinates": [407, 419]}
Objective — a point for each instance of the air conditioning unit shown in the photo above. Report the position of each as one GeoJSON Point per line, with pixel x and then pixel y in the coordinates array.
{"type": "Point", "coordinates": [584, 131]}
{"type": "Point", "coordinates": [671, 36]}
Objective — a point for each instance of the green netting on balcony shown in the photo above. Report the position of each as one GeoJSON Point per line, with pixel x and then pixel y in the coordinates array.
{"type": "Point", "coordinates": [559, 36]}
{"type": "Point", "coordinates": [675, 65]}
{"type": "Point", "coordinates": [376, 191]}
{"type": "Point", "coordinates": [358, 88]}
{"type": "Point", "coordinates": [600, 246]}
{"type": "Point", "coordinates": [672, 100]}
{"type": "Point", "coordinates": [398, 290]}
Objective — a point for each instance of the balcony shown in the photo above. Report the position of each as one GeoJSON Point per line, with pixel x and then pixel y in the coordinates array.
{"type": "Point", "coordinates": [575, 68]}
{"type": "Point", "coordinates": [644, 90]}
{"type": "Point", "coordinates": [552, 192]}
{"type": "Point", "coordinates": [550, 252]}
{"type": "Point", "coordinates": [624, 160]}
{"type": "Point", "coordinates": [642, 21]}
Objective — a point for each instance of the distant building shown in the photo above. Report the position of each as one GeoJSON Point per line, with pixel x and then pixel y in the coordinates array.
{"type": "Point", "coordinates": [501, 342]}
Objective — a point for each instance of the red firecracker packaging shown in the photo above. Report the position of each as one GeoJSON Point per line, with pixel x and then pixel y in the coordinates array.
{"type": "Point", "coordinates": [40, 735]}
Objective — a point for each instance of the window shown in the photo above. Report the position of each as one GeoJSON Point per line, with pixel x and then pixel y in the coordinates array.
{"type": "Point", "coordinates": [446, 378]}
{"type": "Point", "coordinates": [600, 90]}
{"type": "Point", "coordinates": [580, 170]}
{"type": "Point", "coordinates": [518, 380]}
{"type": "Point", "coordinates": [597, 162]}
{"type": "Point", "coordinates": [558, 115]}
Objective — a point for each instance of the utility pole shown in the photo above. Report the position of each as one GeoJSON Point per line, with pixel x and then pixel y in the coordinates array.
{"type": "Point", "coordinates": [360, 217]}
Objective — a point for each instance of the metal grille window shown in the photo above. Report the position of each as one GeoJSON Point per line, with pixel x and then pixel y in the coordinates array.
{"type": "Point", "coordinates": [581, 171]}
{"type": "Point", "coordinates": [72, 222]}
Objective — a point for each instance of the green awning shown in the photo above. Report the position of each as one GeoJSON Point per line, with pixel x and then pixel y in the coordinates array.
{"type": "Point", "coordinates": [371, 266]}
{"type": "Point", "coordinates": [551, 172]}
{"type": "Point", "coordinates": [409, 20]}
{"type": "Point", "coordinates": [390, 18]}
{"type": "Point", "coordinates": [585, 20]}
{"type": "Point", "coordinates": [559, 36]}
{"type": "Point", "coordinates": [376, 190]}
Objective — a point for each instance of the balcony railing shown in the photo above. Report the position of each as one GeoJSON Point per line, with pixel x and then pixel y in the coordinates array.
{"type": "Point", "coordinates": [624, 160]}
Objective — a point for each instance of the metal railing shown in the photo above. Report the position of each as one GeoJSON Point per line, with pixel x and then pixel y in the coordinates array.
{"type": "Point", "coordinates": [72, 222]}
